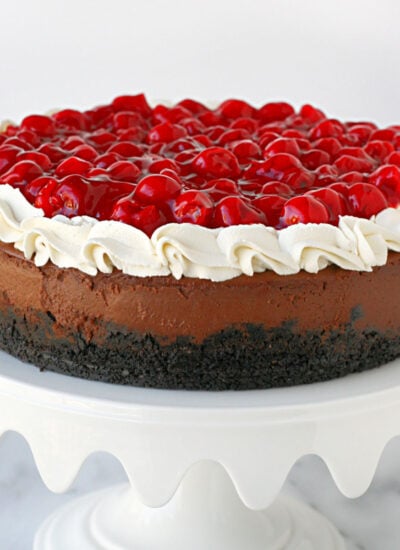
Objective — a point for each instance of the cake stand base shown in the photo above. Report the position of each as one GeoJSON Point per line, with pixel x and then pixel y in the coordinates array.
{"type": "Point", "coordinates": [205, 512]}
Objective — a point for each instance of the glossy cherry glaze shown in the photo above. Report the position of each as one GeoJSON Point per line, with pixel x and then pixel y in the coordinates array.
{"type": "Point", "coordinates": [235, 164]}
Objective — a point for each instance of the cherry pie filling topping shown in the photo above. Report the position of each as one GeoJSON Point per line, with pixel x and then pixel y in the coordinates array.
{"type": "Point", "coordinates": [235, 164]}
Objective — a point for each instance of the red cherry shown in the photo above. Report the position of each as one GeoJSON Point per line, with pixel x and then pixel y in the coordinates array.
{"type": "Point", "coordinates": [202, 140]}
{"type": "Point", "coordinates": [192, 126]}
{"type": "Point", "coordinates": [147, 218]}
{"type": "Point", "coordinates": [340, 187]}
{"type": "Point", "coordinates": [276, 188]}
{"type": "Point", "coordinates": [102, 195]}
{"type": "Point", "coordinates": [387, 179]}
{"type": "Point", "coordinates": [325, 175]}
{"type": "Point", "coordinates": [54, 153]}
{"type": "Point", "coordinates": [231, 136]}
{"type": "Point", "coordinates": [281, 145]}
{"type": "Point", "coordinates": [298, 123]}
{"type": "Point", "coordinates": [303, 209]}
{"type": "Point", "coordinates": [69, 196]}
{"type": "Point", "coordinates": [334, 202]}
{"type": "Point", "coordinates": [156, 189]}
{"type": "Point", "coordinates": [184, 161]}
{"type": "Point", "coordinates": [281, 167]}
{"type": "Point", "coordinates": [361, 133]}
{"type": "Point", "coordinates": [386, 134]}
{"type": "Point", "coordinates": [165, 133]}
{"type": "Point", "coordinates": [127, 119]}
{"type": "Point", "coordinates": [215, 132]}
{"type": "Point", "coordinates": [194, 181]}
{"type": "Point", "coordinates": [246, 123]}
{"type": "Point", "coordinates": [8, 154]}
{"type": "Point", "coordinates": [235, 108]}
{"type": "Point", "coordinates": [328, 144]}
{"type": "Point", "coordinates": [124, 170]}
{"type": "Point", "coordinates": [17, 142]}
{"type": "Point", "coordinates": [290, 133]}
{"type": "Point", "coordinates": [40, 159]}
{"type": "Point", "coordinates": [29, 137]}
{"type": "Point", "coordinates": [158, 166]}
{"type": "Point", "coordinates": [310, 114]}
{"type": "Point", "coordinates": [271, 206]}
{"type": "Point", "coordinates": [216, 162]}
{"type": "Point", "coordinates": [75, 196]}
{"type": "Point", "coordinates": [366, 200]}
{"type": "Point", "coordinates": [276, 127]}
{"type": "Point", "coordinates": [125, 149]}
{"type": "Point", "coordinates": [275, 111]}
{"type": "Point", "coordinates": [355, 152]}
{"type": "Point", "coordinates": [193, 106]}
{"type": "Point", "coordinates": [209, 118]}
{"type": "Point", "coordinates": [171, 174]}
{"type": "Point", "coordinates": [266, 137]}
{"type": "Point", "coordinates": [98, 174]}
{"type": "Point", "coordinates": [219, 188]}
{"type": "Point", "coordinates": [162, 113]}
{"type": "Point", "coordinates": [125, 208]}
{"type": "Point", "coordinates": [327, 128]}
{"type": "Point", "coordinates": [73, 165]}
{"type": "Point", "coordinates": [178, 146]}
{"type": "Point", "coordinates": [135, 134]}
{"type": "Point", "coordinates": [251, 186]}
{"type": "Point", "coordinates": [234, 210]}
{"type": "Point", "coordinates": [42, 189]}
{"type": "Point", "coordinates": [353, 177]}
{"type": "Point", "coordinates": [245, 149]}
{"type": "Point", "coordinates": [314, 158]}
{"type": "Point", "coordinates": [101, 139]}
{"type": "Point", "coordinates": [346, 163]}
{"type": "Point", "coordinates": [193, 207]}
{"type": "Point", "coordinates": [40, 124]}
{"type": "Point", "coordinates": [106, 160]}
{"type": "Point", "coordinates": [71, 142]}
{"type": "Point", "coordinates": [301, 180]}
{"type": "Point", "coordinates": [85, 152]}
{"type": "Point", "coordinates": [136, 103]}
{"type": "Point", "coordinates": [22, 173]}
{"type": "Point", "coordinates": [379, 150]}
{"type": "Point", "coordinates": [393, 158]}
{"type": "Point", "coordinates": [32, 189]}
{"type": "Point", "coordinates": [99, 115]}
{"type": "Point", "coordinates": [71, 119]}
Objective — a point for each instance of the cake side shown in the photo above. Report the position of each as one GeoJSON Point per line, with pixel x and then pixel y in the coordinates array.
{"type": "Point", "coordinates": [244, 333]}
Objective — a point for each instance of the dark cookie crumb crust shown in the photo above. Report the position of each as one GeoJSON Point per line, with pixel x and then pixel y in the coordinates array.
{"type": "Point", "coordinates": [242, 358]}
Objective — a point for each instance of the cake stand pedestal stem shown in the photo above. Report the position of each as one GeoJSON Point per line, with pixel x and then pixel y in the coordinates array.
{"type": "Point", "coordinates": [204, 513]}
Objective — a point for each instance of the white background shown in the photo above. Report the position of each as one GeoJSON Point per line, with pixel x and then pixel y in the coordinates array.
{"type": "Point", "coordinates": [342, 55]}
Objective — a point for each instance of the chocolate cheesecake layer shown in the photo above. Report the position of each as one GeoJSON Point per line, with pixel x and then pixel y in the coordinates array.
{"type": "Point", "coordinates": [248, 332]}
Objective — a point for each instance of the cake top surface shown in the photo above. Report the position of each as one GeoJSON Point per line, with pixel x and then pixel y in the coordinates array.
{"type": "Point", "coordinates": [187, 163]}
{"type": "Point", "coordinates": [186, 190]}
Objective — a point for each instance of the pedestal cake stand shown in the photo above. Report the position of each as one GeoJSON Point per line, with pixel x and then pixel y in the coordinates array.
{"type": "Point", "coordinates": [204, 469]}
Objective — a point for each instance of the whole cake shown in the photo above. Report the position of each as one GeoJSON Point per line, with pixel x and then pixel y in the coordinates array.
{"type": "Point", "coordinates": [188, 247]}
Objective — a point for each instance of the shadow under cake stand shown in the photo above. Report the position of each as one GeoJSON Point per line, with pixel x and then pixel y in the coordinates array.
{"type": "Point", "coordinates": [204, 469]}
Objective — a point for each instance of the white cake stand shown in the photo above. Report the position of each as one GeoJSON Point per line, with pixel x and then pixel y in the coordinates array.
{"type": "Point", "coordinates": [204, 469]}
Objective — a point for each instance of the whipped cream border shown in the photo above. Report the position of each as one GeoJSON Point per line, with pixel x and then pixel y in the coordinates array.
{"type": "Point", "coordinates": [189, 250]}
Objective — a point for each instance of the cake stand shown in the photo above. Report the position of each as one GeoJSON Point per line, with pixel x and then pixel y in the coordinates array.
{"type": "Point", "coordinates": [204, 469]}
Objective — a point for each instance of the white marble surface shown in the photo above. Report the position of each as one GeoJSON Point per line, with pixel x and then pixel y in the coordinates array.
{"type": "Point", "coordinates": [370, 522]}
